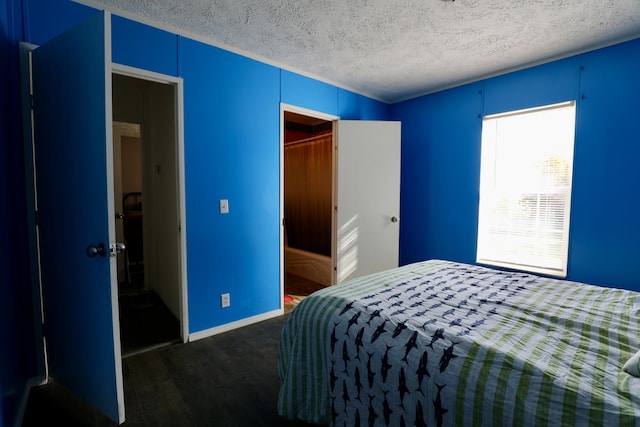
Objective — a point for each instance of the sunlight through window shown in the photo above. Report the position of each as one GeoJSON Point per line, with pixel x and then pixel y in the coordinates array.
{"type": "Point", "coordinates": [525, 189]}
{"type": "Point", "coordinates": [348, 249]}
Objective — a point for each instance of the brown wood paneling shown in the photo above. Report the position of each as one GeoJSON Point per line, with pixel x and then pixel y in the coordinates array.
{"type": "Point", "coordinates": [307, 187]}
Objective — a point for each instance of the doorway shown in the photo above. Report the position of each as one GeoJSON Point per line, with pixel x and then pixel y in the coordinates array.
{"type": "Point", "coordinates": [308, 205]}
{"type": "Point", "coordinates": [147, 213]}
{"type": "Point", "coordinates": [363, 198]}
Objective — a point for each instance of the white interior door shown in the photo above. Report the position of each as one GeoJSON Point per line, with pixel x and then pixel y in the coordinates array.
{"type": "Point", "coordinates": [74, 164]}
{"type": "Point", "coordinates": [368, 197]}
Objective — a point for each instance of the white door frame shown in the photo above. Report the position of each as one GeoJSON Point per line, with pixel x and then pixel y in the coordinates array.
{"type": "Point", "coordinates": [32, 204]}
{"type": "Point", "coordinates": [324, 116]}
{"type": "Point", "coordinates": [178, 83]}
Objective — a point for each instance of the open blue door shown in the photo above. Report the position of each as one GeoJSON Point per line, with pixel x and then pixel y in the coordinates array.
{"type": "Point", "coordinates": [74, 164]}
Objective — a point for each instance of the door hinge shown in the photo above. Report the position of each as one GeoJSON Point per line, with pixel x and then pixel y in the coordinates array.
{"type": "Point", "coordinates": [31, 101]}
{"type": "Point", "coordinates": [42, 330]}
{"type": "Point", "coordinates": [36, 217]}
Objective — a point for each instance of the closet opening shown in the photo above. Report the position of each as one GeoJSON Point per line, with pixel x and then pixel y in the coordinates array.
{"type": "Point", "coordinates": [308, 205]}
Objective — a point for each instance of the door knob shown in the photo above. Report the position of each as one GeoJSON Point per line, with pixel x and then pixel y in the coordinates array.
{"type": "Point", "coordinates": [99, 249]}
{"type": "Point", "coordinates": [117, 248]}
{"type": "Point", "coordinates": [394, 219]}
{"type": "Point", "coordinates": [119, 215]}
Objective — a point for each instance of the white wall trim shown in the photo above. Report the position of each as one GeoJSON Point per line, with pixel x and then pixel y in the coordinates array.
{"type": "Point", "coordinates": [182, 205]}
{"type": "Point", "coordinates": [140, 73]}
{"type": "Point", "coordinates": [26, 83]}
{"type": "Point", "coordinates": [307, 112]}
{"type": "Point", "coordinates": [235, 325]}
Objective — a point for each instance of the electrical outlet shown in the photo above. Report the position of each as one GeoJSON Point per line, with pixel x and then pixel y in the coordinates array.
{"type": "Point", "coordinates": [225, 300]}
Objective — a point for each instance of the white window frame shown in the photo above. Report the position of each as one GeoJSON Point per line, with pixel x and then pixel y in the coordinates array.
{"type": "Point", "coordinates": [514, 228]}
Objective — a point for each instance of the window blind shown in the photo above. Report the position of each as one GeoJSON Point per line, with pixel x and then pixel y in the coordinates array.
{"type": "Point", "coordinates": [525, 189]}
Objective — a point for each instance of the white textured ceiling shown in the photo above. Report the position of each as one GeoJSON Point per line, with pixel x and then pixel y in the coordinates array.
{"type": "Point", "coordinates": [394, 50]}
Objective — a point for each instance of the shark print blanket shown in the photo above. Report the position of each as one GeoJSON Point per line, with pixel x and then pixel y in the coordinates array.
{"type": "Point", "coordinates": [396, 353]}
{"type": "Point", "coordinates": [440, 343]}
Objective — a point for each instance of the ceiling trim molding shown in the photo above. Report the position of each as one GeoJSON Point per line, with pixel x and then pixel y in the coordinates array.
{"type": "Point", "coordinates": [518, 68]}
{"type": "Point", "coordinates": [387, 99]}
{"type": "Point", "coordinates": [215, 43]}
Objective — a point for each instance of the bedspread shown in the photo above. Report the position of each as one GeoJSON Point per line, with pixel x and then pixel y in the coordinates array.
{"type": "Point", "coordinates": [442, 343]}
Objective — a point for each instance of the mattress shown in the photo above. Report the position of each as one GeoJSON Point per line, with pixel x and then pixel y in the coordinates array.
{"type": "Point", "coordinates": [444, 343]}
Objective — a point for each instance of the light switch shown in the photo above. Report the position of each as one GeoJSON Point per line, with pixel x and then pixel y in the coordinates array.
{"type": "Point", "coordinates": [224, 206]}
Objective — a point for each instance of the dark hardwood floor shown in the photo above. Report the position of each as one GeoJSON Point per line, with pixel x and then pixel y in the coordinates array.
{"type": "Point", "coordinates": [146, 323]}
{"type": "Point", "coordinates": [228, 379]}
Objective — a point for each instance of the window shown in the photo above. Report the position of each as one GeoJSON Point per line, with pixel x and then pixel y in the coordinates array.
{"type": "Point", "coordinates": [525, 189]}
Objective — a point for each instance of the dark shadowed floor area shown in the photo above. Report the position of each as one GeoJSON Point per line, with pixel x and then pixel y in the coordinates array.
{"type": "Point", "coordinates": [228, 379]}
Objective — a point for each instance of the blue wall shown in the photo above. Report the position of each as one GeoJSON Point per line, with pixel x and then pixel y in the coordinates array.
{"type": "Point", "coordinates": [605, 217]}
{"type": "Point", "coordinates": [232, 107]}
{"type": "Point", "coordinates": [232, 143]}
{"type": "Point", "coordinates": [17, 352]}
{"type": "Point", "coordinates": [441, 161]}
{"type": "Point", "coordinates": [232, 151]}
{"type": "Point", "coordinates": [440, 174]}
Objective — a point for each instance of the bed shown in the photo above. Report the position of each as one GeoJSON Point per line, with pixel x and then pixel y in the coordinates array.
{"type": "Point", "coordinates": [441, 343]}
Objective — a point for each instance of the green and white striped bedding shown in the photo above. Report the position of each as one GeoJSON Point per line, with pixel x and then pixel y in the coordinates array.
{"type": "Point", "coordinates": [473, 346]}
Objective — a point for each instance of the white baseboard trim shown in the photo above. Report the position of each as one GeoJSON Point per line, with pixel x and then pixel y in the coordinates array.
{"type": "Point", "coordinates": [235, 325]}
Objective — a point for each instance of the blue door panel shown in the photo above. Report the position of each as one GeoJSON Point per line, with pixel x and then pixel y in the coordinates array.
{"type": "Point", "coordinates": [71, 122]}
